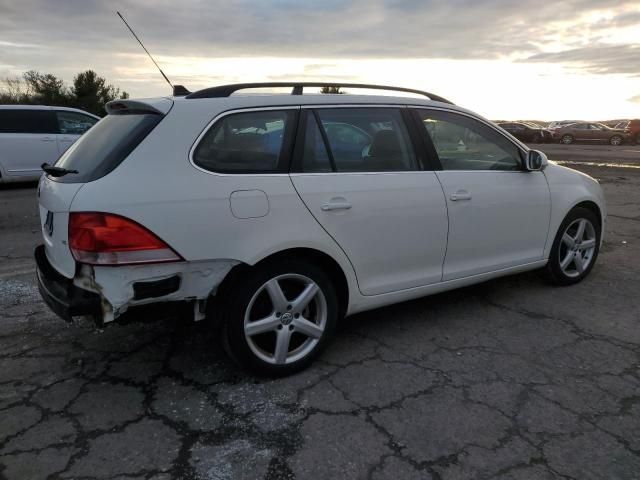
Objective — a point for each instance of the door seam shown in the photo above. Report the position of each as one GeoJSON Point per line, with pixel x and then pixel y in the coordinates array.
{"type": "Point", "coordinates": [446, 204]}
{"type": "Point", "coordinates": [355, 274]}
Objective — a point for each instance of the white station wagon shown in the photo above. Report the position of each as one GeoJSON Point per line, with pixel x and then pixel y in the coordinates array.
{"type": "Point", "coordinates": [282, 214]}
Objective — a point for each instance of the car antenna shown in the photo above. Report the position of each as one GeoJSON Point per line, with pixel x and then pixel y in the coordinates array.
{"type": "Point", "coordinates": [178, 90]}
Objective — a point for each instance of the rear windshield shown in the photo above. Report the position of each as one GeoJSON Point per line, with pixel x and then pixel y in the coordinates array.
{"type": "Point", "coordinates": [105, 146]}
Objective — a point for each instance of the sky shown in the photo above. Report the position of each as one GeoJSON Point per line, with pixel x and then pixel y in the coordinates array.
{"type": "Point", "coordinates": [505, 59]}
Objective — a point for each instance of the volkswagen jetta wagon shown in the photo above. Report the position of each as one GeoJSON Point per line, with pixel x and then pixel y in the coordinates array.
{"type": "Point", "coordinates": [282, 214]}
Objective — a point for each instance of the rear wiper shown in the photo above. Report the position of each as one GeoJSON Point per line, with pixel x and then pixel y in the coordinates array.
{"type": "Point", "coordinates": [56, 171]}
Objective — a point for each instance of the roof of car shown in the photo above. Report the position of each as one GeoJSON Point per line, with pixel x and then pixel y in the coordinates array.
{"type": "Point", "coordinates": [297, 88]}
{"type": "Point", "coordinates": [298, 95]}
{"type": "Point", "coordinates": [44, 107]}
{"type": "Point", "coordinates": [263, 100]}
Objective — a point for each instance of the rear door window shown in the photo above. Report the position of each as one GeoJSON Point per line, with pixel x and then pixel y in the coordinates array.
{"type": "Point", "coordinates": [357, 140]}
{"type": "Point", "coordinates": [74, 123]}
{"type": "Point", "coordinates": [247, 142]}
{"type": "Point", "coordinates": [27, 121]}
{"type": "Point", "coordinates": [106, 145]}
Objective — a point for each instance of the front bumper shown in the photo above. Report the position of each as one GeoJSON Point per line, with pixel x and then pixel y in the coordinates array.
{"type": "Point", "coordinates": [59, 292]}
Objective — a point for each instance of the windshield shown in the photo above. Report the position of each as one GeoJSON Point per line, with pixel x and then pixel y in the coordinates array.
{"type": "Point", "coordinates": [105, 146]}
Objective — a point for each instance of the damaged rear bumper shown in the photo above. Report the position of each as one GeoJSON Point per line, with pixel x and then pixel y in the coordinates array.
{"type": "Point", "coordinates": [59, 292]}
{"type": "Point", "coordinates": [107, 292]}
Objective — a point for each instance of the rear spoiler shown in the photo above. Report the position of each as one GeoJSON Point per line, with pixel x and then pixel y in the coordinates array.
{"type": "Point", "coordinates": [146, 105]}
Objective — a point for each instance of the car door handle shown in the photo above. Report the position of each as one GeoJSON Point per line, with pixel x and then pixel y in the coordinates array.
{"type": "Point", "coordinates": [336, 205]}
{"type": "Point", "coordinates": [460, 195]}
{"type": "Point", "coordinates": [48, 139]}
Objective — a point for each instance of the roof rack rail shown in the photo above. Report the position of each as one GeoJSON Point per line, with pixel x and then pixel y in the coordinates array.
{"type": "Point", "coordinates": [297, 89]}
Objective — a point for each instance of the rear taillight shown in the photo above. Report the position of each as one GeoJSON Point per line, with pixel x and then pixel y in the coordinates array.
{"type": "Point", "coordinates": [107, 239]}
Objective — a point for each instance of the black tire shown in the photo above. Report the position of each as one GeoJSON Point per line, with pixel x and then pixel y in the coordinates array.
{"type": "Point", "coordinates": [553, 271]}
{"type": "Point", "coordinates": [616, 140]}
{"type": "Point", "coordinates": [638, 139]}
{"type": "Point", "coordinates": [567, 139]}
{"type": "Point", "coordinates": [237, 301]}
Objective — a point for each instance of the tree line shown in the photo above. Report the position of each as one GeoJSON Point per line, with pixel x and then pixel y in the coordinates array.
{"type": "Point", "coordinates": [89, 92]}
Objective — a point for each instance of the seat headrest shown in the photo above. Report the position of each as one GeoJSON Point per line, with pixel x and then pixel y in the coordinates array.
{"type": "Point", "coordinates": [385, 143]}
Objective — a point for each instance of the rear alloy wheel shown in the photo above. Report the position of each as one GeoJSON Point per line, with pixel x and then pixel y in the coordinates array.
{"type": "Point", "coordinates": [575, 247]}
{"type": "Point", "coordinates": [615, 140]}
{"type": "Point", "coordinates": [280, 318]}
{"type": "Point", "coordinates": [567, 139]}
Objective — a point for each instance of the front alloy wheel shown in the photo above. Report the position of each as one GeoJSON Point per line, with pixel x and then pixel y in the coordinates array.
{"type": "Point", "coordinates": [279, 316]}
{"type": "Point", "coordinates": [575, 248]}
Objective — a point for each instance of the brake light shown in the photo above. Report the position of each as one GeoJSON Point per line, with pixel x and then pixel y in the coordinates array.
{"type": "Point", "coordinates": [107, 239]}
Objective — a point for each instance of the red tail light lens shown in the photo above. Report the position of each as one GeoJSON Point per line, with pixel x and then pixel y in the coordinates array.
{"type": "Point", "coordinates": [107, 239]}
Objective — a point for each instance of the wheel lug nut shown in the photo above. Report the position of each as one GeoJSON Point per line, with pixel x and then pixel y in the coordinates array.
{"type": "Point", "coordinates": [290, 327]}
{"type": "Point", "coordinates": [288, 307]}
{"type": "Point", "coordinates": [278, 314]}
{"type": "Point", "coordinates": [279, 327]}
{"type": "Point", "coordinates": [296, 315]}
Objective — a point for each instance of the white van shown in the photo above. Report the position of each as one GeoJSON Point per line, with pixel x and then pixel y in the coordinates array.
{"type": "Point", "coordinates": [31, 135]}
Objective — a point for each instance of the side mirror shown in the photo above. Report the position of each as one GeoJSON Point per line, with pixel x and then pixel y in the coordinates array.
{"type": "Point", "coordinates": [536, 160]}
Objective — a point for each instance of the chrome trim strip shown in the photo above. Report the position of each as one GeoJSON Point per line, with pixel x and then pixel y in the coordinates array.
{"type": "Point", "coordinates": [352, 105]}
{"type": "Point", "coordinates": [521, 147]}
{"type": "Point", "coordinates": [401, 172]}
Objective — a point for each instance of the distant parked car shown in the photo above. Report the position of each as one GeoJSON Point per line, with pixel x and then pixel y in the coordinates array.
{"type": "Point", "coordinates": [527, 132]}
{"type": "Point", "coordinates": [590, 132]}
{"type": "Point", "coordinates": [31, 135]}
{"type": "Point", "coordinates": [632, 127]}
{"type": "Point", "coordinates": [562, 123]}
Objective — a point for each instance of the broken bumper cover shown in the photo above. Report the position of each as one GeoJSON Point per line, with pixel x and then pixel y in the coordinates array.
{"type": "Point", "coordinates": [107, 293]}
{"type": "Point", "coordinates": [60, 294]}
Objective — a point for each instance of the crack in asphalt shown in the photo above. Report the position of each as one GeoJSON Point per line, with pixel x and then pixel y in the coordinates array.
{"type": "Point", "coordinates": [501, 379]}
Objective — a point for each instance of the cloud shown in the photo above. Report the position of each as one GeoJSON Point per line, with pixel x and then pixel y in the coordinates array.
{"type": "Point", "coordinates": [74, 35]}
{"type": "Point", "coordinates": [601, 59]}
{"type": "Point", "coordinates": [332, 29]}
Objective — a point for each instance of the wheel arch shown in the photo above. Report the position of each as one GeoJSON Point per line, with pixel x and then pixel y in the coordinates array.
{"type": "Point", "coordinates": [592, 206]}
{"type": "Point", "coordinates": [321, 259]}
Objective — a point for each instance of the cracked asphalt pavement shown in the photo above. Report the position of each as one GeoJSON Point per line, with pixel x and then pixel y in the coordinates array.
{"type": "Point", "coordinates": [510, 379]}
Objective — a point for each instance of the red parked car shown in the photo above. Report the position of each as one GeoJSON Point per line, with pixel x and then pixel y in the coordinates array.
{"type": "Point", "coordinates": [632, 127]}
